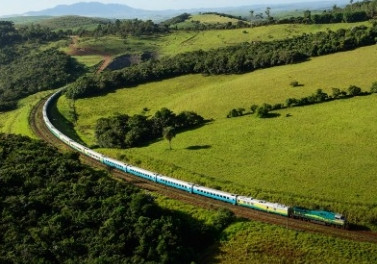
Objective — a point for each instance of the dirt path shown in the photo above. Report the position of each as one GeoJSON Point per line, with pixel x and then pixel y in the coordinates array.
{"type": "Point", "coordinates": [107, 59]}
{"type": "Point", "coordinates": [75, 50]}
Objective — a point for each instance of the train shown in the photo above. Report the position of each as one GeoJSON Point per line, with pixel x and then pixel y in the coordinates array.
{"type": "Point", "coordinates": [317, 216]}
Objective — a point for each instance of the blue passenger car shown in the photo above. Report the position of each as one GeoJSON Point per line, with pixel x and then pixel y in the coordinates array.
{"type": "Point", "coordinates": [182, 185]}
{"type": "Point", "coordinates": [142, 173]}
{"type": "Point", "coordinates": [115, 164]}
{"type": "Point", "coordinates": [215, 194]}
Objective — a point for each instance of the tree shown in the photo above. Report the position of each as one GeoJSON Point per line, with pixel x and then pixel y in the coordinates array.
{"type": "Point", "coordinates": [307, 16]}
{"type": "Point", "coordinates": [373, 89]}
{"type": "Point", "coordinates": [253, 108]}
{"type": "Point", "coordinates": [169, 133]}
{"type": "Point", "coordinates": [354, 90]}
{"type": "Point", "coordinates": [251, 15]}
{"type": "Point", "coordinates": [336, 93]}
{"type": "Point", "coordinates": [268, 13]}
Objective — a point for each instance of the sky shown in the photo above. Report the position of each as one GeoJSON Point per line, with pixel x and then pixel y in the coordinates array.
{"type": "Point", "coordinates": [12, 7]}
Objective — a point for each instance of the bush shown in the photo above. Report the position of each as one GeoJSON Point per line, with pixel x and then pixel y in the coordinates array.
{"type": "Point", "coordinates": [263, 111]}
{"type": "Point", "coordinates": [253, 108]}
{"type": "Point", "coordinates": [354, 90]}
{"type": "Point", "coordinates": [373, 89]}
{"type": "Point", "coordinates": [294, 84]}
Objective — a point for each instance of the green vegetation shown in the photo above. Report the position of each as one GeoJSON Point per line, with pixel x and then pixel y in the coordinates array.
{"type": "Point", "coordinates": [252, 242]}
{"type": "Point", "coordinates": [17, 121]}
{"type": "Point", "coordinates": [25, 19]}
{"type": "Point", "coordinates": [182, 41]}
{"type": "Point", "coordinates": [236, 59]}
{"type": "Point", "coordinates": [233, 153]}
{"type": "Point", "coordinates": [206, 21]}
{"type": "Point", "coordinates": [74, 23]}
{"type": "Point", "coordinates": [54, 209]}
{"type": "Point", "coordinates": [25, 70]}
{"type": "Point", "coordinates": [124, 131]}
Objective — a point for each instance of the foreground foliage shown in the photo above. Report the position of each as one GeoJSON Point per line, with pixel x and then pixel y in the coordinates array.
{"type": "Point", "coordinates": [55, 210]}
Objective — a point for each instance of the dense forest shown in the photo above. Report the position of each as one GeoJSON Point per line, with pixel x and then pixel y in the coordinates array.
{"type": "Point", "coordinates": [26, 69]}
{"type": "Point", "coordinates": [56, 210]}
{"type": "Point", "coordinates": [123, 131]}
{"type": "Point", "coordinates": [237, 59]}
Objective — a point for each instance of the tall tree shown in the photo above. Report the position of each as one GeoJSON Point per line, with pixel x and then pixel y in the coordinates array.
{"type": "Point", "coordinates": [169, 133]}
{"type": "Point", "coordinates": [251, 15]}
{"type": "Point", "coordinates": [268, 13]}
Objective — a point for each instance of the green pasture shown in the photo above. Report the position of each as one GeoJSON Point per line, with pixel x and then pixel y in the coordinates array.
{"type": "Point", "coordinates": [89, 60]}
{"type": "Point", "coordinates": [185, 41]}
{"type": "Point", "coordinates": [322, 155]}
{"type": "Point", "coordinates": [212, 19]}
{"type": "Point", "coordinates": [16, 121]}
{"type": "Point", "coordinates": [206, 19]}
{"type": "Point", "coordinates": [253, 242]}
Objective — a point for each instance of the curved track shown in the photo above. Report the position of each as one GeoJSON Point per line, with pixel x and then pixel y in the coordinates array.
{"type": "Point", "coordinates": [39, 128]}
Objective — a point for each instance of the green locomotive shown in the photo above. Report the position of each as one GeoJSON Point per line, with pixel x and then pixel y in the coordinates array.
{"type": "Point", "coordinates": [319, 216]}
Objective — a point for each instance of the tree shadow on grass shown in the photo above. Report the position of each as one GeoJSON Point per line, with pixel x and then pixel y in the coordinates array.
{"type": "Point", "coordinates": [63, 124]}
{"type": "Point", "coordinates": [356, 227]}
{"type": "Point", "coordinates": [198, 147]}
{"type": "Point", "coordinates": [271, 115]}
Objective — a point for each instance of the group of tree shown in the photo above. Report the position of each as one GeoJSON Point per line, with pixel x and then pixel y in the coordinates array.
{"type": "Point", "coordinates": [128, 27]}
{"type": "Point", "coordinates": [319, 96]}
{"type": "Point", "coordinates": [123, 131]}
{"type": "Point", "coordinates": [241, 58]}
{"type": "Point", "coordinates": [35, 72]}
{"type": "Point", "coordinates": [9, 35]}
{"type": "Point", "coordinates": [354, 12]}
{"type": "Point", "coordinates": [53, 209]}
{"type": "Point", "coordinates": [25, 69]}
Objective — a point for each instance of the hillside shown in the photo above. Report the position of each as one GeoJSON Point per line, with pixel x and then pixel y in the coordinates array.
{"type": "Point", "coordinates": [73, 22]}
{"type": "Point", "coordinates": [186, 41]}
{"type": "Point", "coordinates": [294, 148]}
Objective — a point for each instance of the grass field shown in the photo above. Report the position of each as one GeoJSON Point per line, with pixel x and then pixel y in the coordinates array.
{"type": "Point", "coordinates": [89, 60]}
{"type": "Point", "coordinates": [253, 242]}
{"type": "Point", "coordinates": [16, 121]}
{"type": "Point", "coordinates": [206, 19]}
{"type": "Point", "coordinates": [245, 242]}
{"type": "Point", "coordinates": [323, 155]}
{"type": "Point", "coordinates": [212, 19]}
{"type": "Point", "coordinates": [185, 41]}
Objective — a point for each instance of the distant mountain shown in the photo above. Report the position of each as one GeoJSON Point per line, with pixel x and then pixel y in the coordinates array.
{"type": "Point", "coordinates": [95, 9]}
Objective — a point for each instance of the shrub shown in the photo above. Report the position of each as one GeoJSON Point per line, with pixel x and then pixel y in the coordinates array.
{"type": "Point", "coordinates": [294, 84]}
{"type": "Point", "coordinates": [373, 89]}
{"type": "Point", "coordinates": [354, 90]}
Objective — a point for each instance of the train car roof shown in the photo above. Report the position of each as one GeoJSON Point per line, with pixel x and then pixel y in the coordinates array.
{"type": "Point", "coordinates": [141, 170]}
{"type": "Point", "coordinates": [213, 190]}
{"type": "Point", "coordinates": [251, 199]}
{"type": "Point", "coordinates": [174, 180]}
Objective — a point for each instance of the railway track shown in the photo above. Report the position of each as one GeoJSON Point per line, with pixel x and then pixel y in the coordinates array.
{"type": "Point", "coordinates": [40, 129]}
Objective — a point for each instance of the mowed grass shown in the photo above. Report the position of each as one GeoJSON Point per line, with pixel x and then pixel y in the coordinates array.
{"type": "Point", "coordinates": [17, 121]}
{"type": "Point", "coordinates": [186, 41]}
{"type": "Point", "coordinates": [323, 155]}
